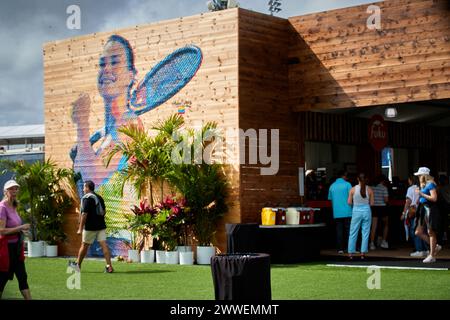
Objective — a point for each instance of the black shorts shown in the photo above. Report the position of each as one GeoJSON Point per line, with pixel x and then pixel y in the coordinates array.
{"type": "Point", "coordinates": [428, 214]}
{"type": "Point", "coordinates": [379, 211]}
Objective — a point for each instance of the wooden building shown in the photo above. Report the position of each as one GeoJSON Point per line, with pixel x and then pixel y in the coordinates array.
{"type": "Point", "coordinates": [264, 72]}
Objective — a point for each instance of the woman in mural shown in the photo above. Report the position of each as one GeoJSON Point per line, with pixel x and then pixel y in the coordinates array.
{"type": "Point", "coordinates": [115, 80]}
{"type": "Point", "coordinates": [123, 105]}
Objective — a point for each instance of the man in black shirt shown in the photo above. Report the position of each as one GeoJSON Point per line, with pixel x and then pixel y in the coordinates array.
{"type": "Point", "coordinates": [92, 225]}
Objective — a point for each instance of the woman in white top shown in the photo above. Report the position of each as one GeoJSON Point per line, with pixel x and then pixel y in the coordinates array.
{"type": "Point", "coordinates": [361, 197]}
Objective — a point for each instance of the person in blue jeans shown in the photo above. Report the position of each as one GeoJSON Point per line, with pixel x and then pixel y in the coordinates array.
{"type": "Point", "coordinates": [342, 211]}
{"type": "Point", "coordinates": [361, 197]}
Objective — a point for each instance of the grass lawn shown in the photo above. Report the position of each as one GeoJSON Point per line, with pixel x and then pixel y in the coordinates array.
{"type": "Point", "coordinates": [48, 278]}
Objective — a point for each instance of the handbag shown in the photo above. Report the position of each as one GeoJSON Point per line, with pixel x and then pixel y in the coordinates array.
{"type": "Point", "coordinates": [412, 212]}
{"type": "Point", "coordinates": [4, 254]}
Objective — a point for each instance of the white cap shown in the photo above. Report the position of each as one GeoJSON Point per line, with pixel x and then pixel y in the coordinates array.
{"type": "Point", "coordinates": [422, 171]}
{"type": "Point", "coordinates": [10, 184]}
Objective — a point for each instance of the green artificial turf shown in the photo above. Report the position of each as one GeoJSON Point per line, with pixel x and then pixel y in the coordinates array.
{"type": "Point", "coordinates": [48, 280]}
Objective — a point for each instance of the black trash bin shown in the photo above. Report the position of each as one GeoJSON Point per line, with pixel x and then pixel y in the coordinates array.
{"type": "Point", "coordinates": [242, 276]}
{"type": "Point", "coordinates": [242, 237]}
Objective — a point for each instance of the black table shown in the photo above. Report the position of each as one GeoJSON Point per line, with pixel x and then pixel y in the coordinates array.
{"type": "Point", "coordinates": [291, 243]}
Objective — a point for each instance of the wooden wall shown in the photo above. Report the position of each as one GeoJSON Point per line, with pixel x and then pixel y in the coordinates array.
{"type": "Point", "coordinates": [341, 63]}
{"type": "Point", "coordinates": [263, 104]}
{"type": "Point", "coordinates": [71, 68]}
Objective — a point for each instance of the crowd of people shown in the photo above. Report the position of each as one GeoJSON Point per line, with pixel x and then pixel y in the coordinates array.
{"type": "Point", "coordinates": [360, 208]}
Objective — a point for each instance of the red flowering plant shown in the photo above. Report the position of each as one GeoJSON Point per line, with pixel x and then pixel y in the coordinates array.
{"type": "Point", "coordinates": [140, 224]}
{"type": "Point", "coordinates": [170, 222]}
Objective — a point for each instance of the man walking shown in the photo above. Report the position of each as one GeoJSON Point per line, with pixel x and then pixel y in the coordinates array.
{"type": "Point", "coordinates": [92, 225]}
{"type": "Point", "coordinates": [342, 211]}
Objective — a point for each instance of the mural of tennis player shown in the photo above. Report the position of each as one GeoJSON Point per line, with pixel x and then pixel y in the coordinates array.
{"type": "Point", "coordinates": [123, 105]}
{"type": "Point", "coordinates": [115, 79]}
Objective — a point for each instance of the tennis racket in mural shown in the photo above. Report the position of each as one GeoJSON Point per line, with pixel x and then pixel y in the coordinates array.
{"type": "Point", "coordinates": [167, 78]}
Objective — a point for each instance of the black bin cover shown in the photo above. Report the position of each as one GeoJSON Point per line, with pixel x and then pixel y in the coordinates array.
{"type": "Point", "coordinates": [243, 276]}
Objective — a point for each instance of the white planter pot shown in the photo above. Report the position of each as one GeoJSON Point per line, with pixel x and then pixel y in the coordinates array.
{"type": "Point", "coordinates": [51, 250]}
{"type": "Point", "coordinates": [187, 257]}
{"type": "Point", "coordinates": [172, 257]}
{"type": "Point", "coordinates": [147, 256]}
{"type": "Point", "coordinates": [35, 249]}
{"type": "Point", "coordinates": [133, 255]}
{"type": "Point", "coordinates": [160, 256]}
{"type": "Point", "coordinates": [204, 254]}
{"type": "Point", "coordinates": [184, 248]}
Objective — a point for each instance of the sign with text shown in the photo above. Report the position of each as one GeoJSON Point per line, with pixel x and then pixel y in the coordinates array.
{"type": "Point", "coordinates": [378, 132]}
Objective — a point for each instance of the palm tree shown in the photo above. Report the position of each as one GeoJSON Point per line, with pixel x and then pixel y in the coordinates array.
{"type": "Point", "coordinates": [202, 184]}
{"type": "Point", "coordinates": [148, 157]}
{"type": "Point", "coordinates": [41, 183]}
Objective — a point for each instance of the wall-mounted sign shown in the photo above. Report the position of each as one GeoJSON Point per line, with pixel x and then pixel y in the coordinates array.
{"type": "Point", "coordinates": [378, 132]}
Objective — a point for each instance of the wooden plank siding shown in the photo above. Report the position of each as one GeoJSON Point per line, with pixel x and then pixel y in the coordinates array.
{"type": "Point", "coordinates": [71, 67]}
{"type": "Point", "coordinates": [344, 64]}
{"type": "Point", "coordinates": [263, 104]}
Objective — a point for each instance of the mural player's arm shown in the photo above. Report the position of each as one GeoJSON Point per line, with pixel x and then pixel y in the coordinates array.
{"type": "Point", "coordinates": [87, 160]}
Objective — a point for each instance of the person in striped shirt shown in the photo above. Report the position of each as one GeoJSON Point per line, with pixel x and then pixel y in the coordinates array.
{"type": "Point", "coordinates": [379, 211]}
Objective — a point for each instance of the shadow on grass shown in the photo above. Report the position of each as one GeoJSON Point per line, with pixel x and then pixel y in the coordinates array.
{"type": "Point", "coordinates": [129, 272]}
{"type": "Point", "coordinates": [296, 265]}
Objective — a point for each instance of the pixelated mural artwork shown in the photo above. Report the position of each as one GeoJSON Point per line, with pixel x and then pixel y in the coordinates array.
{"type": "Point", "coordinates": [123, 105]}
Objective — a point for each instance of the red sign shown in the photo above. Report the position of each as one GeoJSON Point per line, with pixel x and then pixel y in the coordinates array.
{"type": "Point", "coordinates": [378, 133]}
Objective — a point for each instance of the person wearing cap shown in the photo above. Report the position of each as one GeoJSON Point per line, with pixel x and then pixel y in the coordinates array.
{"type": "Point", "coordinates": [428, 212]}
{"type": "Point", "coordinates": [12, 258]}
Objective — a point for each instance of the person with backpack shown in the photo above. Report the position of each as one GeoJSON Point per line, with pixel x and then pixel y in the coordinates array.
{"type": "Point", "coordinates": [92, 225]}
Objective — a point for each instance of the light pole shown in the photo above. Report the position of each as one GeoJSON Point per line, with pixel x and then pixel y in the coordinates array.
{"type": "Point", "coordinates": [274, 6]}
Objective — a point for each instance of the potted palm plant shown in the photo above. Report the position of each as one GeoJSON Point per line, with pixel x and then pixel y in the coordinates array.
{"type": "Point", "coordinates": [46, 193]}
{"type": "Point", "coordinates": [205, 189]}
{"type": "Point", "coordinates": [149, 157]}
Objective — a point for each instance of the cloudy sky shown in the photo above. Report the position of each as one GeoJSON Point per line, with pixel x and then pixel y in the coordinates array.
{"type": "Point", "coordinates": [26, 24]}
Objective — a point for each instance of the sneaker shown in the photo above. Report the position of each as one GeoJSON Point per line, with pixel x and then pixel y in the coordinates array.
{"type": "Point", "coordinates": [384, 244]}
{"type": "Point", "coordinates": [418, 254]}
{"type": "Point", "coordinates": [379, 240]}
{"type": "Point", "coordinates": [438, 248]}
{"type": "Point", "coordinates": [372, 246]}
{"type": "Point", "coordinates": [109, 269]}
{"type": "Point", "coordinates": [74, 266]}
{"type": "Point", "coordinates": [429, 259]}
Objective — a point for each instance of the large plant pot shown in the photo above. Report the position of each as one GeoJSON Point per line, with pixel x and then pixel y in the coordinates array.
{"type": "Point", "coordinates": [184, 248]}
{"type": "Point", "coordinates": [133, 255]}
{"type": "Point", "coordinates": [204, 254]}
{"type": "Point", "coordinates": [147, 256]}
{"type": "Point", "coordinates": [35, 249]}
{"type": "Point", "coordinates": [172, 257]}
{"type": "Point", "coordinates": [160, 256]}
{"type": "Point", "coordinates": [187, 257]}
{"type": "Point", "coordinates": [51, 250]}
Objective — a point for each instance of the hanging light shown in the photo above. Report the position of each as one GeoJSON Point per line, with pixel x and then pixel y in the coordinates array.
{"type": "Point", "coordinates": [390, 112]}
